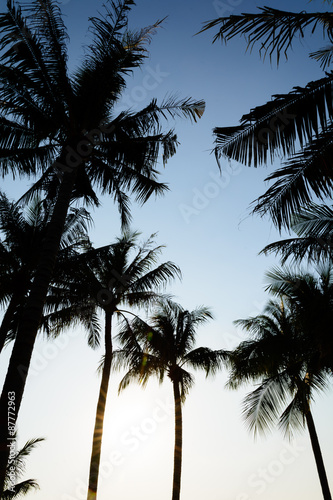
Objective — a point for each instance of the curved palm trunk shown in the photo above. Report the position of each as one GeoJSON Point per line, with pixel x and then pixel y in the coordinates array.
{"type": "Point", "coordinates": [27, 331]}
{"type": "Point", "coordinates": [100, 411]}
{"type": "Point", "coordinates": [177, 464]}
{"type": "Point", "coordinates": [318, 456]}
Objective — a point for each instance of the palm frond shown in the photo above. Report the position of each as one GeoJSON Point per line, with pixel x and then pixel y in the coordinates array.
{"type": "Point", "coordinates": [112, 54]}
{"type": "Point", "coordinates": [187, 108]}
{"type": "Point", "coordinates": [286, 281]}
{"type": "Point", "coordinates": [323, 56]}
{"type": "Point", "coordinates": [187, 323]}
{"type": "Point", "coordinates": [186, 382]}
{"type": "Point", "coordinates": [275, 127]}
{"type": "Point", "coordinates": [314, 226]}
{"type": "Point", "coordinates": [314, 220]}
{"type": "Point", "coordinates": [76, 227]}
{"type": "Point", "coordinates": [311, 248]}
{"type": "Point", "coordinates": [19, 489]}
{"type": "Point", "coordinates": [293, 416]}
{"type": "Point", "coordinates": [156, 278]}
{"type": "Point", "coordinates": [31, 43]}
{"type": "Point", "coordinates": [305, 174]}
{"type": "Point", "coordinates": [19, 458]}
{"type": "Point", "coordinates": [204, 358]}
{"type": "Point", "coordinates": [48, 23]}
{"type": "Point", "coordinates": [272, 29]}
{"type": "Point", "coordinates": [262, 407]}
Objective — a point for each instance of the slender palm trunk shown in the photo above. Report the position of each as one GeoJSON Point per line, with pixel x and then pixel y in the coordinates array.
{"type": "Point", "coordinates": [318, 456]}
{"type": "Point", "coordinates": [27, 331]}
{"type": "Point", "coordinates": [5, 324]}
{"type": "Point", "coordinates": [100, 411]}
{"type": "Point", "coordinates": [177, 464]}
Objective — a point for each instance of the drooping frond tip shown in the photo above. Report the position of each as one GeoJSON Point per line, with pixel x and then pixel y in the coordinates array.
{"type": "Point", "coordinates": [196, 110]}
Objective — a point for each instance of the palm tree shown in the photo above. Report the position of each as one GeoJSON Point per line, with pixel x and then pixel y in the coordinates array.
{"type": "Point", "coordinates": [64, 129]}
{"type": "Point", "coordinates": [303, 116]}
{"type": "Point", "coordinates": [314, 229]}
{"type": "Point", "coordinates": [108, 279]}
{"type": "Point", "coordinates": [278, 358]}
{"type": "Point", "coordinates": [23, 231]}
{"type": "Point", "coordinates": [12, 489]}
{"type": "Point", "coordinates": [166, 346]}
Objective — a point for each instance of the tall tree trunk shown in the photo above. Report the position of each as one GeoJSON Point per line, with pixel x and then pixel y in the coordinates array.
{"type": "Point", "coordinates": [100, 411]}
{"type": "Point", "coordinates": [318, 456]}
{"type": "Point", "coordinates": [5, 324]}
{"type": "Point", "coordinates": [27, 331]}
{"type": "Point", "coordinates": [177, 464]}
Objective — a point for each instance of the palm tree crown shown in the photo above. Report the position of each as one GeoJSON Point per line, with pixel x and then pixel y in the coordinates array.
{"type": "Point", "coordinates": [23, 231]}
{"type": "Point", "coordinates": [168, 341]}
{"type": "Point", "coordinates": [53, 123]}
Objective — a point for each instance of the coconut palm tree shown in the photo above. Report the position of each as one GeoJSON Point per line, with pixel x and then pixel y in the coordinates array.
{"type": "Point", "coordinates": [166, 345]}
{"type": "Point", "coordinates": [63, 130]}
{"type": "Point", "coordinates": [301, 117]}
{"type": "Point", "coordinates": [23, 232]}
{"type": "Point", "coordinates": [12, 489]}
{"type": "Point", "coordinates": [122, 275]}
{"type": "Point", "coordinates": [314, 229]}
{"type": "Point", "coordinates": [278, 358]}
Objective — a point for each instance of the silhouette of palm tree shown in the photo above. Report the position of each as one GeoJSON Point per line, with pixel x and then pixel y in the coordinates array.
{"type": "Point", "coordinates": [278, 358]}
{"type": "Point", "coordinates": [166, 345]}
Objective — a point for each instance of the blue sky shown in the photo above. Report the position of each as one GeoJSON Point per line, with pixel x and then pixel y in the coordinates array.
{"type": "Point", "coordinates": [205, 224]}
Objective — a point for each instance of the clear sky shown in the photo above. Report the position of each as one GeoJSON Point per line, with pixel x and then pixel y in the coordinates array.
{"type": "Point", "coordinates": [205, 224]}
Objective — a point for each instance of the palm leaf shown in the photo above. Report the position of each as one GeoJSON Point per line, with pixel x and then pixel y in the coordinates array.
{"type": "Point", "coordinates": [305, 174]}
{"type": "Point", "coordinates": [276, 126]}
{"type": "Point", "coordinates": [293, 416]}
{"type": "Point", "coordinates": [27, 48]}
{"type": "Point", "coordinates": [204, 358]}
{"type": "Point", "coordinates": [274, 30]}
{"type": "Point", "coordinates": [19, 458]}
{"type": "Point", "coordinates": [323, 56]}
{"type": "Point", "coordinates": [261, 408]}
{"type": "Point", "coordinates": [314, 226]}
{"type": "Point", "coordinates": [19, 489]}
